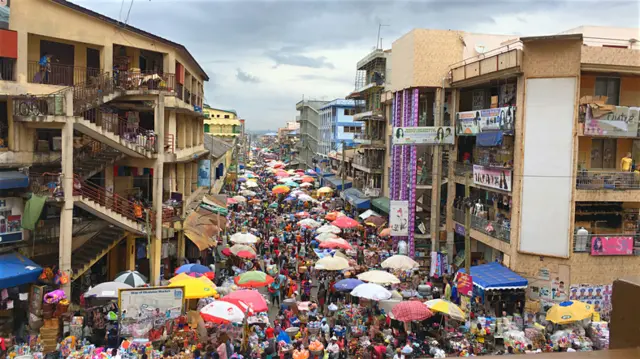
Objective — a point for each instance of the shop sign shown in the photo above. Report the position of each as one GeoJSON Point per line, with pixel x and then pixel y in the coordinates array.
{"type": "Point", "coordinates": [612, 246]}
{"type": "Point", "coordinates": [11, 209]}
{"type": "Point", "coordinates": [399, 218]}
{"type": "Point", "coordinates": [621, 122]}
{"type": "Point", "coordinates": [465, 284]}
{"type": "Point", "coordinates": [544, 274]}
{"type": "Point", "coordinates": [204, 173]}
{"type": "Point", "coordinates": [498, 178]}
{"type": "Point", "coordinates": [459, 229]}
{"type": "Point", "coordinates": [440, 135]}
{"type": "Point", "coordinates": [470, 123]}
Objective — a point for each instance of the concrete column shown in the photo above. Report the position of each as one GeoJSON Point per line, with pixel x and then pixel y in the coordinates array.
{"type": "Point", "coordinates": [66, 215]}
{"type": "Point", "coordinates": [436, 176]}
{"type": "Point", "coordinates": [158, 175]}
{"type": "Point", "coordinates": [109, 183]}
{"type": "Point", "coordinates": [451, 185]}
{"type": "Point", "coordinates": [181, 245]}
{"type": "Point", "coordinates": [107, 58]}
{"type": "Point", "coordinates": [131, 251]}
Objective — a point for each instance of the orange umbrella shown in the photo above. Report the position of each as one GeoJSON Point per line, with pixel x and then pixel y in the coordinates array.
{"type": "Point", "coordinates": [308, 179]}
{"type": "Point", "coordinates": [385, 232]}
{"type": "Point", "coordinates": [280, 189]}
{"type": "Point", "coordinates": [332, 216]}
{"type": "Point", "coordinates": [345, 222]}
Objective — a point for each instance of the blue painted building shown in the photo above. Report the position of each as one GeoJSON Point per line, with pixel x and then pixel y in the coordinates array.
{"type": "Point", "coordinates": [337, 126]}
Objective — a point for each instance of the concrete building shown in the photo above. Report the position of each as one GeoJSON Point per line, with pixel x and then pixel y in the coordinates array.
{"type": "Point", "coordinates": [337, 127]}
{"type": "Point", "coordinates": [117, 116]}
{"type": "Point", "coordinates": [222, 123]}
{"type": "Point", "coordinates": [309, 119]}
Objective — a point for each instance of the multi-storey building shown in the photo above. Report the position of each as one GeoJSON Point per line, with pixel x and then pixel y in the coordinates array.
{"type": "Point", "coordinates": [337, 127]}
{"type": "Point", "coordinates": [222, 123]}
{"type": "Point", "coordinates": [111, 126]}
{"type": "Point", "coordinates": [309, 119]}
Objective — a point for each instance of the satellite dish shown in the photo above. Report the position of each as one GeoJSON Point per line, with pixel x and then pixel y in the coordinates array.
{"type": "Point", "coordinates": [480, 48]}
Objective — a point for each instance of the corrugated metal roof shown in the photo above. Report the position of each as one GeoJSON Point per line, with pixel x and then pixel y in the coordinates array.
{"type": "Point", "coordinates": [216, 146]}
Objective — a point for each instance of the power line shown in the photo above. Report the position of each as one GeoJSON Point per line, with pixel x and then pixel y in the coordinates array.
{"type": "Point", "coordinates": [128, 13]}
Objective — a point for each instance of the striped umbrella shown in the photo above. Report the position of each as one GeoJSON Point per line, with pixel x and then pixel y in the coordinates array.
{"type": "Point", "coordinates": [132, 278]}
{"type": "Point", "coordinates": [253, 279]}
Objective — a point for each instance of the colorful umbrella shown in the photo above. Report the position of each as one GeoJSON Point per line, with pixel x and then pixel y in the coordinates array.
{"type": "Point", "coordinates": [222, 312]}
{"type": "Point", "coordinates": [371, 291]}
{"type": "Point", "coordinates": [345, 222]}
{"type": "Point", "coordinates": [325, 190]}
{"type": "Point", "coordinates": [253, 298]}
{"type": "Point", "coordinates": [569, 311]}
{"type": "Point", "coordinates": [378, 276]}
{"type": "Point", "coordinates": [303, 214]}
{"type": "Point", "coordinates": [332, 263]}
{"type": "Point", "coordinates": [347, 285]}
{"type": "Point", "coordinates": [385, 232]}
{"type": "Point", "coordinates": [253, 279]}
{"type": "Point", "coordinates": [239, 199]}
{"type": "Point", "coordinates": [325, 236]}
{"type": "Point", "coordinates": [192, 267]}
{"type": "Point", "coordinates": [194, 288]}
{"type": "Point", "coordinates": [332, 216]}
{"type": "Point", "coordinates": [411, 311]}
{"type": "Point", "coordinates": [291, 184]}
{"type": "Point", "coordinates": [231, 201]}
{"type": "Point", "coordinates": [306, 184]}
{"type": "Point", "coordinates": [308, 223]}
{"type": "Point", "coordinates": [400, 262]}
{"type": "Point", "coordinates": [328, 228]}
{"type": "Point", "coordinates": [308, 179]}
{"type": "Point", "coordinates": [242, 179]}
{"type": "Point", "coordinates": [106, 290]}
{"type": "Point", "coordinates": [282, 174]}
{"type": "Point", "coordinates": [243, 251]}
{"type": "Point", "coordinates": [334, 243]}
{"type": "Point", "coordinates": [244, 238]}
{"type": "Point", "coordinates": [132, 278]}
{"type": "Point", "coordinates": [446, 307]}
{"type": "Point", "coordinates": [280, 189]}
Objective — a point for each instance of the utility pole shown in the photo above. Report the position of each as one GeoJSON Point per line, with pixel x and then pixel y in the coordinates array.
{"type": "Point", "coordinates": [344, 164]}
{"type": "Point", "coordinates": [467, 226]}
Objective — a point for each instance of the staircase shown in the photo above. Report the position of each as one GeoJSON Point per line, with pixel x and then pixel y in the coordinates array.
{"type": "Point", "coordinates": [94, 249]}
{"type": "Point", "coordinates": [94, 157]}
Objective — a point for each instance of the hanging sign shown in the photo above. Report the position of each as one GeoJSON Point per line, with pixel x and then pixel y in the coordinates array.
{"type": "Point", "coordinates": [621, 122]}
{"type": "Point", "coordinates": [498, 178]}
{"type": "Point", "coordinates": [612, 246]}
{"type": "Point", "coordinates": [470, 123]}
{"type": "Point", "coordinates": [441, 135]}
{"type": "Point", "coordinates": [399, 218]}
{"type": "Point", "coordinates": [465, 284]}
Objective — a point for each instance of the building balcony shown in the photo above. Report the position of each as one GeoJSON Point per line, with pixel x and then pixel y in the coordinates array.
{"type": "Point", "coordinates": [369, 165]}
{"type": "Point", "coordinates": [610, 59]}
{"type": "Point", "coordinates": [7, 69]}
{"type": "Point", "coordinates": [461, 169]}
{"type": "Point", "coordinates": [612, 186]}
{"type": "Point", "coordinates": [501, 61]}
{"type": "Point", "coordinates": [369, 141]}
{"type": "Point", "coordinates": [627, 244]}
{"type": "Point", "coordinates": [60, 75]}
{"type": "Point", "coordinates": [495, 229]}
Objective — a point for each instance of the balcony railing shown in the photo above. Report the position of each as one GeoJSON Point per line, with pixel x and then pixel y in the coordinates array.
{"type": "Point", "coordinates": [371, 163]}
{"type": "Point", "coordinates": [133, 134]}
{"type": "Point", "coordinates": [179, 91]}
{"type": "Point", "coordinates": [599, 180]}
{"type": "Point", "coordinates": [31, 105]}
{"type": "Point", "coordinates": [58, 74]}
{"type": "Point", "coordinates": [7, 69]}
{"type": "Point", "coordinates": [463, 169]}
{"type": "Point", "coordinates": [582, 243]}
{"type": "Point", "coordinates": [495, 229]}
{"type": "Point", "coordinates": [135, 80]}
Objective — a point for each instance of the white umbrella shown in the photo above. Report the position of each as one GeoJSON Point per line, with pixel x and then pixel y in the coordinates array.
{"type": "Point", "coordinates": [283, 180]}
{"type": "Point", "coordinates": [222, 312]}
{"type": "Point", "coordinates": [251, 184]}
{"type": "Point", "coordinates": [296, 193]}
{"type": "Point", "coordinates": [378, 276]}
{"type": "Point", "coordinates": [248, 193]}
{"type": "Point", "coordinates": [328, 228]}
{"type": "Point", "coordinates": [244, 238]}
{"type": "Point", "coordinates": [239, 198]}
{"type": "Point", "coordinates": [305, 198]}
{"type": "Point", "coordinates": [106, 290]}
{"type": "Point", "coordinates": [371, 291]}
{"type": "Point", "coordinates": [332, 263]}
{"type": "Point", "coordinates": [325, 236]}
{"type": "Point", "coordinates": [308, 222]}
{"type": "Point", "coordinates": [306, 184]}
{"type": "Point", "coordinates": [400, 262]}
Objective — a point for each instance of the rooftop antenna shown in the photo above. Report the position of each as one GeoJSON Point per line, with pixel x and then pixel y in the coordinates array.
{"type": "Point", "coordinates": [379, 40]}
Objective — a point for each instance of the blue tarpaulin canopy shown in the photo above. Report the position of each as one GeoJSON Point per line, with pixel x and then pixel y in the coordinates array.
{"type": "Point", "coordinates": [495, 276]}
{"type": "Point", "coordinates": [489, 139]}
{"type": "Point", "coordinates": [336, 182]}
{"type": "Point", "coordinates": [16, 269]}
{"type": "Point", "coordinates": [13, 179]}
{"type": "Point", "coordinates": [356, 198]}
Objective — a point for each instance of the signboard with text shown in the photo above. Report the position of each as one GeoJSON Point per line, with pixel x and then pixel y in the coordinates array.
{"type": "Point", "coordinates": [612, 246]}
{"type": "Point", "coordinates": [442, 135]}
{"type": "Point", "coordinates": [399, 218]}
{"type": "Point", "coordinates": [465, 284]}
{"type": "Point", "coordinates": [470, 123]}
{"type": "Point", "coordinates": [621, 122]}
{"type": "Point", "coordinates": [498, 178]}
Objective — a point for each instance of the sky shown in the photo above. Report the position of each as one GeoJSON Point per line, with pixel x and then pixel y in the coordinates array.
{"type": "Point", "coordinates": [263, 56]}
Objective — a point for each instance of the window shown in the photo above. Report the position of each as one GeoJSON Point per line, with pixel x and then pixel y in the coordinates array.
{"type": "Point", "coordinates": [610, 87]}
{"type": "Point", "coordinates": [218, 116]}
{"type": "Point", "coordinates": [351, 129]}
{"type": "Point", "coordinates": [206, 128]}
{"type": "Point", "coordinates": [603, 153]}
{"type": "Point", "coordinates": [226, 116]}
{"type": "Point", "coordinates": [349, 111]}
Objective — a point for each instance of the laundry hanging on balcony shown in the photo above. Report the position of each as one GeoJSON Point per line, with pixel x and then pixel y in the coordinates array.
{"type": "Point", "coordinates": [489, 139]}
{"type": "Point", "coordinates": [32, 210]}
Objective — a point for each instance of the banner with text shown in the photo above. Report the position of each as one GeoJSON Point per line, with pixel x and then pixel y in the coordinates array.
{"type": "Point", "coordinates": [145, 312]}
{"type": "Point", "coordinates": [442, 135]}
{"type": "Point", "coordinates": [465, 284]}
{"type": "Point", "coordinates": [470, 123]}
{"type": "Point", "coordinates": [621, 122]}
{"type": "Point", "coordinates": [399, 218]}
{"type": "Point", "coordinates": [498, 178]}
{"type": "Point", "coordinates": [612, 246]}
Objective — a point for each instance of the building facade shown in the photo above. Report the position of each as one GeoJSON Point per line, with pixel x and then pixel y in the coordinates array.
{"type": "Point", "coordinates": [222, 123]}
{"type": "Point", "coordinates": [116, 129]}
{"type": "Point", "coordinates": [310, 123]}
{"type": "Point", "coordinates": [337, 127]}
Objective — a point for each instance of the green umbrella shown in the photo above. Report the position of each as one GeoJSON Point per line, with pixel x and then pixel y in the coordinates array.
{"type": "Point", "coordinates": [253, 279]}
{"type": "Point", "coordinates": [273, 205]}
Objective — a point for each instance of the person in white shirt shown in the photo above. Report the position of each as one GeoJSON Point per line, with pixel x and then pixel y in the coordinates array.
{"type": "Point", "coordinates": [333, 349]}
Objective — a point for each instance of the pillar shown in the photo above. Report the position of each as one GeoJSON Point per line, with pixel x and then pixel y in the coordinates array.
{"type": "Point", "coordinates": [66, 214]}
{"type": "Point", "coordinates": [107, 58]}
{"type": "Point", "coordinates": [23, 55]}
{"type": "Point", "coordinates": [451, 185]}
{"type": "Point", "coordinates": [180, 253]}
{"type": "Point", "coordinates": [436, 176]}
{"type": "Point", "coordinates": [131, 251]}
{"type": "Point", "coordinates": [158, 175]}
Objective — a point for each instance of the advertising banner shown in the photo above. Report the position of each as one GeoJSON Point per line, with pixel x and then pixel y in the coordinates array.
{"type": "Point", "coordinates": [470, 123]}
{"type": "Point", "coordinates": [204, 173]}
{"type": "Point", "coordinates": [5, 11]}
{"type": "Point", "coordinates": [442, 135]}
{"type": "Point", "coordinates": [399, 218]}
{"type": "Point", "coordinates": [147, 312]}
{"type": "Point", "coordinates": [612, 246]}
{"type": "Point", "coordinates": [621, 122]}
{"type": "Point", "coordinates": [11, 209]}
{"type": "Point", "coordinates": [498, 178]}
{"type": "Point", "coordinates": [465, 284]}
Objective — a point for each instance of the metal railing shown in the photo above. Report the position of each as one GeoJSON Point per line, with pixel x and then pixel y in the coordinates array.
{"type": "Point", "coordinates": [59, 74]}
{"type": "Point", "coordinates": [145, 81]}
{"type": "Point", "coordinates": [582, 243]}
{"type": "Point", "coordinates": [7, 67]}
{"type": "Point", "coordinates": [133, 134]}
{"type": "Point", "coordinates": [598, 180]}
{"type": "Point", "coordinates": [376, 137]}
{"type": "Point", "coordinates": [179, 91]}
{"type": "Point", "coordinates": [495, 229]}
{"type": "Point", "coordinates": [32, 105]}
{"type": "Point", "coordinates": [372, 163]}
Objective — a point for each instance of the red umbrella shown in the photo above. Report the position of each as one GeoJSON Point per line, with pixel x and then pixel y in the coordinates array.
{"type": "Point", "coordinates": [244, 306]}
{"type": "Point", "coordinates": [231, 201]}
{"type": "Point", "coordinates": [308, 179]}
{"type": "Point", "coordinates": [302, 214]}
{"type": "Point", "coordinates": [227, 252]}
{"type": "Point", "coordinates": [411, 311]}
{"type": "Point", "coordinates": [253, 298]}
{"type": "Point", "coordinates": [334, 243]}
{"type": "Point", "coordinates": [345, 222]}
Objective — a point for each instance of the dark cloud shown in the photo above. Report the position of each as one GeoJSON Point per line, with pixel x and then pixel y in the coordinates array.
{"type": "Point", "coordinates": [282, 57]}
{"type": "Point", "coordinates": [246, 77]}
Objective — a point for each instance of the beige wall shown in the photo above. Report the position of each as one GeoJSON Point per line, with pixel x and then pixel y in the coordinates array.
{"type": "Point", "coordinates": [629, 88]}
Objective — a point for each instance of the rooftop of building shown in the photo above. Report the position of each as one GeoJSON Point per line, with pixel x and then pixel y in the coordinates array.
{"type": "Point", "coordinates": [216, 146]}
{"type": "Point", "coordinates": [339, 102]}
{"type": "Point", "coordinates": [207, 107]}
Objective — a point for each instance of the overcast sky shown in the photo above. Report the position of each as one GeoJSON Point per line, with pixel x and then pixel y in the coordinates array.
{"type": "Point", "coordinates": [263, 56]}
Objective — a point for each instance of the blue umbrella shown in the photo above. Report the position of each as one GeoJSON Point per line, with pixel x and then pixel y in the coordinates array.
{"type": "Point", "coordinates": [290, 198]}
{"type": "Point", "coordinates": [242, 179]}
{"type": "Point", "coordinates": [193, 268]}
{"type": "Point", "coordinates": [347, 285]}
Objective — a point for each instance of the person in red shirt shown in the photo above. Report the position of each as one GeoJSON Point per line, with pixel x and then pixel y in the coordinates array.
{"type": "Point", "coordinates": [380, 351]}
{"type": "Point", "coordinates": [271, 338]}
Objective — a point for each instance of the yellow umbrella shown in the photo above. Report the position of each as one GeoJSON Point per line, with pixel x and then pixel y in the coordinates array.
{"type": "Point", "coordinates": [280, 189]}
{"type": "Point", "coordinates": [569, 311]}
{"type": "Point", "coordinates": [446, 307]}
{"type": "Point", "coordinates": [324, 190]}
{"type": "Point", "coordinates": [194, 288]}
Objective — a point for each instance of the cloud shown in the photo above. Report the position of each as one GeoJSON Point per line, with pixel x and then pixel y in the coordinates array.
{"type": "Point", "coordinates": [283, 58]}
{"type": "Point", "coordinates": [246, 77]}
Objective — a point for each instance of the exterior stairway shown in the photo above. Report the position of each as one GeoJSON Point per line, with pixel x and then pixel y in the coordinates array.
{"type": "Point", "coordinates": [94, 157]}
{"type": "Point", "coordinates": [95, 248]}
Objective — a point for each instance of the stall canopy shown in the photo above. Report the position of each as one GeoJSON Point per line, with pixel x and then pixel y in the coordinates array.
{"type": "Point", "coordinates": [495, 276]}
{"type": "Point", "coordinates": [356, 198]}
{"type": "Point", "coordinates": [16, 269]}
{"type": "Point", "coordinates": [336, 182]}
{"type": "Point", "coordinates": [13, 179]}
{"type": "Point", "coordinates": [381, 203]}
{"type": "Point", "coordinates": [489, 139]}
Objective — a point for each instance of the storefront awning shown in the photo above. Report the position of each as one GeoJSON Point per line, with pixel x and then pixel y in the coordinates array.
{"type": "Point", "coordinates": [16, 269]}
{"type": "Point", "coordinates": [489, 139]}
{"type": "Point", "coordinates": [336, 182]}
{"type": "Point", "coordinates": [200, 229]}
{"type": "Point", "coordinates": [495, 276]}
{"type": "Point", "coordinates": [381, 203]}
{"type": "Point", "coordinates": [356, 198]}
{"type": "Point", "coordinates": [13, 179]}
